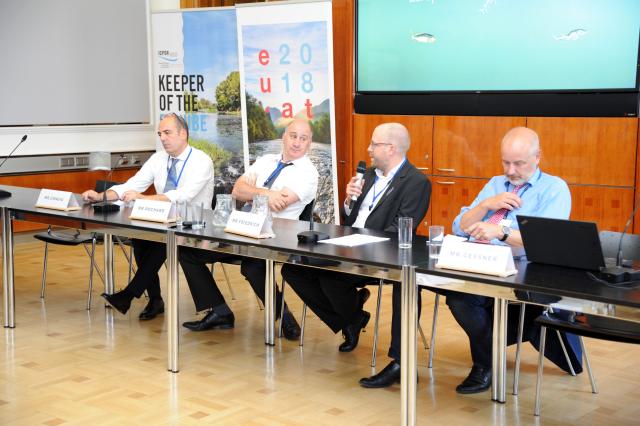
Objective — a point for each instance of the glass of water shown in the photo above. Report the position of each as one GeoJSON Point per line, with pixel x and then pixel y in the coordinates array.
{"type": "Point", "coordinates": [436, 236]}
{"type": "Point", "coordinates": [405, 232]}
{"type": "Point", "coordinates": [196, 215]}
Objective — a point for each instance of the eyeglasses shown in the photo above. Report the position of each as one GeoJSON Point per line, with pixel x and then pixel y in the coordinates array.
{"type": "Point", "coordinates": [375, 144]}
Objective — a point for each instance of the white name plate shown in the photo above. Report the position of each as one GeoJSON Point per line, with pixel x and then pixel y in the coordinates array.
{"type": "Point", "coordinates": [152, 210]}
{"type": "Point", "coordinates": [249, 225]}
{"type": "Point", "coordinates": [473, 257]}
{"type": "Point", "coordinates": [57, 200]}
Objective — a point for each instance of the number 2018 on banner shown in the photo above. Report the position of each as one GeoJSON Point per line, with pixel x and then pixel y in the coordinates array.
{"type": "Point", "coordinates": [306, 78]}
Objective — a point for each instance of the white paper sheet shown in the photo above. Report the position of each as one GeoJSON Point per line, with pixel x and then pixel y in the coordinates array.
{"type": "Point", "coordinates": [353, 240]}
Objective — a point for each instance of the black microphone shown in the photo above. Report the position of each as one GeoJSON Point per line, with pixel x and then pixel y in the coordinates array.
{"type": "Point", "coordinates": [107, 206]}
{"type": "Point", "coordinates": [619, 273]}
{"type": "Point", "coordinates": [362, 167]}
{"type": "Point", "coordinates": [3, 193]}
{"type": "Point", "coordinates": [311, 236]}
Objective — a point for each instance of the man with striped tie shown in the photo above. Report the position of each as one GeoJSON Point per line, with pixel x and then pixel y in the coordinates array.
{"type": "Point", "coordinates": [523, 190]}
{"type": "Point", "coordinates": [179, 172]}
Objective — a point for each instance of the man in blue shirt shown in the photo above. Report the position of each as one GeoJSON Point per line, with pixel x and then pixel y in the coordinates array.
{"type": "Point", "coordinates": [491, 218]}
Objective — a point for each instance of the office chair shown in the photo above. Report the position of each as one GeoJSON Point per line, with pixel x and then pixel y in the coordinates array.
{"type": "Point", "coordinates": [593, 326]}
{"type": "Point", "coordinates": [88, 240]}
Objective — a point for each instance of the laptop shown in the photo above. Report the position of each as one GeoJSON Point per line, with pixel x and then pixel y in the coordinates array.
{"type": "Point", "coordinates": [561, 242]}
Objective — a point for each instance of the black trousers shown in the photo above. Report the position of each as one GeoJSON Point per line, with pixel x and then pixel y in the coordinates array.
{"type": "Point", "coordinates": [255, 271]}
{"type": "Point", "coordinates": [203, 287]}
{"type": "Point", "coordinates": [396, 320]}
{"type": "Point", "coordinates": [333, 296]}
{"type": "Point", "coordinates": [150, 256]}
{"type": "Point", "coordinates": [205, 291]}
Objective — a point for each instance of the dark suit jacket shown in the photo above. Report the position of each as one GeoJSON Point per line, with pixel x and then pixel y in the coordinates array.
{"type": "Point", "coordinates": [408, 195]}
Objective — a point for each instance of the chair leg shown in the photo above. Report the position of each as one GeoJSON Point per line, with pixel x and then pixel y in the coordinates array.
{"type": "Point", "coordinates": [543, 338]}
{"type": "Point", "coordinates": [592, 379]}
{"type": "Point", "coordinates": [516, 373]}
{"type": "Point", "coordinates": [93, 251]}
{"type": "Point", "coordinates": [304, 320]}
{"type": "Point", "coordinates": [432, 346]}
{"type": "Point", "coordinates": [284, 284]}
{"type": "Point", "coordinates": [375, 327]}
{"type": "Point", "coordinates": [226, 278]}
{"type": "Point", "coordinates": [424, 338]}
{"type": "Point", "coordinates": [566, 354]}
{"type": "Point", "coordinates": [44, 270]}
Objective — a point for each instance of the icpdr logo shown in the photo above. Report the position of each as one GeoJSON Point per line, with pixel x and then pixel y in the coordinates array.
{"type": "Point", "coordinates": [167, 55]}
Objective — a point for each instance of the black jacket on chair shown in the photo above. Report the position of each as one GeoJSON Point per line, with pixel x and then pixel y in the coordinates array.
{"type": "Point", "coordinates": [408, 195]}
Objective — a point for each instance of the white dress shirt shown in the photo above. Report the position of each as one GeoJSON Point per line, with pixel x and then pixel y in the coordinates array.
{"type": "Point", "coordinates": [195, 172]}
{"type": "Point", "coordinates": [301, 178]}
{"type": "Point", "coordinates": [377, 190]}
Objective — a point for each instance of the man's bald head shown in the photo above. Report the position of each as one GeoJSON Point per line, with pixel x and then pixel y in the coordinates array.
{"type": "Point", "coordinates": [396, 134]}
{"type": "Point", "coordinates": [520, 152]}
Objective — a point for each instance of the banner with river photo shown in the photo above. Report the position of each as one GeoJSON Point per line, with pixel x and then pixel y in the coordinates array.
{"type": "Point", "coordinates": [286, 72]}
{"type": "Point", "coordinates": [196, 74]}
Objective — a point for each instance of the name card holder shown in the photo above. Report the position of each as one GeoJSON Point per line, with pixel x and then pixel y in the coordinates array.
{"type": "Point", "coordinates": [466, 256]}
{"type": "Point", "coordinates": [57, 200]}
{"type": "Point", "coordinates": [249, 224]}
{"type": "Point", "coordinates": [152, 211]}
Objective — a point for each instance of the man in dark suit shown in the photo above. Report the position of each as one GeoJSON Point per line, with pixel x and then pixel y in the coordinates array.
{"type": "Point", "coordinates": [392, 188]}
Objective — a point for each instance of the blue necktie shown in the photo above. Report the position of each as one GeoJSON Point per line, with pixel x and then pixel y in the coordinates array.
{"type": "Point", "coordinates": [269, 182]}
{"type": "Point", "coordinates": [274, 175]}
{"type": "Point", "coordinates": [171, 176]}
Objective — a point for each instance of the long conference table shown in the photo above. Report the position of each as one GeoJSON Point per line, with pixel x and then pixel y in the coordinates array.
{"type": "Point", "coordinates": [541, 284]}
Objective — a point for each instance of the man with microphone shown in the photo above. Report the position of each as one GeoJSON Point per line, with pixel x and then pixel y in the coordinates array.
{"type": "Point", "coordinates": [180, 172]}
{"type": "Point", "coordinates": [390, 189]}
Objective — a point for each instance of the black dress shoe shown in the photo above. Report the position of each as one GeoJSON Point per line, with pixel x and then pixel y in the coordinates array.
{"type": "Point", "coordinates": [351, 332]}
{"type": "Point", "coordinates": [290, 327]}
{"type": "Point", "coordinates": [211, 321]}
{"type": "Point", "coordinates": [388, 376]}
{"type": "Point", "coordinates": [120, 300]}
{"type": "Point", "coordinates": [153, 308]}
{"type": "Point", "coordinates": [478, 380]}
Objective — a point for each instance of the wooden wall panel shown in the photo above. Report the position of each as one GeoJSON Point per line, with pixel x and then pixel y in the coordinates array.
{"type": "Point", "coordinates": [449, 195]}
{"type": "Point", "coordinates": [470, 146]}
{"type": "Point", "coordinates": [64, 181]}
{"type": "Point", "coordinates": [420, 129]}
{"type": "Point", "coordinates": [607, 206]}
{"type": "Point", "coordinates": [597, 151]}
{"type": "Point", "coordinates": [636, 219]}
{"type": "Point", "coordinates": [342, 11]}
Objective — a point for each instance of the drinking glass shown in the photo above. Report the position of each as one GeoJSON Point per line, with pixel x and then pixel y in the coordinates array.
{"type": "Point", "coordinates": [405, 232]}
{"type": "Point", "coordinates": [436, 236]}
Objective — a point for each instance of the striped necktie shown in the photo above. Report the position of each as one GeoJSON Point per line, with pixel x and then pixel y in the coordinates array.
{"type": "Point", "coordinates": [171, 177]}
{"type": "Point", "coordinates": [498, 215]}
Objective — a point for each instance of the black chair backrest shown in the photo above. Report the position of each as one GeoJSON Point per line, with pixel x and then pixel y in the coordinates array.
{"type": "Point", "coordinates": [103, 185]}
{"type": "Point", "coordinates": [307, 212]}
{"type": "Point", "coordinates": [630, 245]}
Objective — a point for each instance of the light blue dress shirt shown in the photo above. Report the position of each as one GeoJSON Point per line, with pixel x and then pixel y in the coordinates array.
{"type": "Point", "coordinates": [543, 195]}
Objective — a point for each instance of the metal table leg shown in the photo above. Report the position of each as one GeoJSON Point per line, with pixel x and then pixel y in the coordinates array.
{"type": "Point", "coordinates": [173, 337]}
{"type": "Point", "coordinates": [8, 295]}
{"type": "Point", "coordinates": [109, 286]}
{"type": "Point", "coordinates": [408, 351]}
{"type": "Point", "coordinates": [499, 353]}
{"type": "Point", "coordinates": [269, 303]}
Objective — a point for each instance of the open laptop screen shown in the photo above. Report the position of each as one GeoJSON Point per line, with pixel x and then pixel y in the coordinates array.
{"type": "Point", "coordinates": [561, 242]}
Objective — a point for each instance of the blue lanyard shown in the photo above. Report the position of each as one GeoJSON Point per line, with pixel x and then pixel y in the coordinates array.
{"type": "Point", "coordinates": [375, 196]}
{"type": "Point", "coordinates": [175, 182]}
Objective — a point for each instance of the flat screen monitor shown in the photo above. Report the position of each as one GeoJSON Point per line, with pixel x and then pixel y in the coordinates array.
{"type": "Point", "coordinates": [466, 48]}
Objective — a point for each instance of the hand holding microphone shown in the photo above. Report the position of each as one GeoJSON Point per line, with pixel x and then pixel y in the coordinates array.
{"type": "Point", "coordinates": [354, 188]}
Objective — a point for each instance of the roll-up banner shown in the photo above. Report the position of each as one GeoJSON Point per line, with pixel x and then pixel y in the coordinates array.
{"type": "Point", "coordinates": [286, 72]}
{"type": "Point", "coordinates": [195, 53]}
